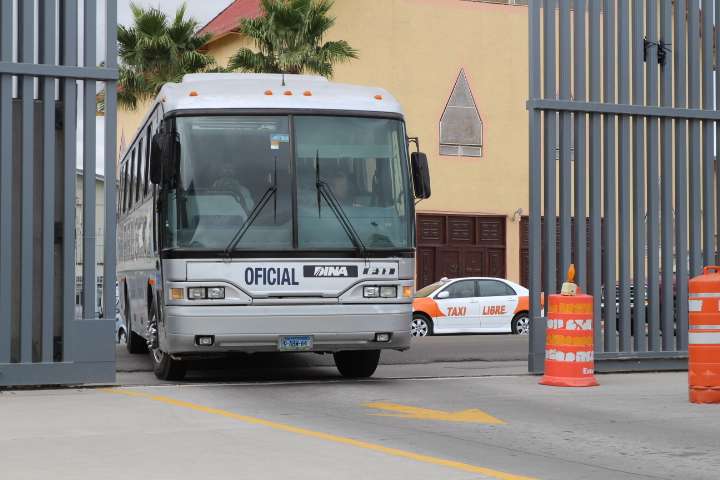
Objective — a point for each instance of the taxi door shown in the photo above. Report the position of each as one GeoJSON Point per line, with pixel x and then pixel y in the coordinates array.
{"type": "Point", "coordinates": [497, 303]}
{"type": "Point", "coordinates": [458, 301]}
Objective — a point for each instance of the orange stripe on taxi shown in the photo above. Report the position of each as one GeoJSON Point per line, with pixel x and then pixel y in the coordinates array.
{"type": "Point", "coordinates": [427, 306]}
{"type": "Point", "coordinates": [523, 304]}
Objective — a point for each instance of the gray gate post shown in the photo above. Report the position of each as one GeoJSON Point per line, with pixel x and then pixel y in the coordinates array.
{"type": "Point", "coordinates": [41, 341]}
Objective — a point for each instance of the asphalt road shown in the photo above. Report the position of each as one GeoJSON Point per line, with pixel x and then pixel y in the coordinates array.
{"type": "Point", "coordinates": [444, 355]}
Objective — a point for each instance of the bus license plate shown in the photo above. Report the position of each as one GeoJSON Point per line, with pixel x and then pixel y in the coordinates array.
{"type": "Point", "coordinates": [296, 343]}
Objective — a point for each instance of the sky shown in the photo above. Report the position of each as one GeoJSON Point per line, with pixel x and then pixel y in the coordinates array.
{"type": "Point", "coordinates": [202, 10]}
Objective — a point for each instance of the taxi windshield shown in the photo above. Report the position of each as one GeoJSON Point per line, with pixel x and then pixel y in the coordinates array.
{"type": "Point", "coordinates": [426, 291]}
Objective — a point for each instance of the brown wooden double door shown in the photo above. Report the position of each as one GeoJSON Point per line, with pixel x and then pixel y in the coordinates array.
{"type": "Point", "coordinates": [459, 246]}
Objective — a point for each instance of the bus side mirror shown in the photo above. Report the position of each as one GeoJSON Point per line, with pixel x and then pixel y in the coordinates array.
{"type": "Point", "coordinates": [420, 175]}
{"type": "Point", "coordinates": [161, 155]}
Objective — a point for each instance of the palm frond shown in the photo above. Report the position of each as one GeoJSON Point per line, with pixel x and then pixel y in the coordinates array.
{"type": "Point", "coordinates": [289, 38]}
{"type": "Point", "coordinates": [157, 49]}
{"type": "Point", "coordinates": [245, 60]}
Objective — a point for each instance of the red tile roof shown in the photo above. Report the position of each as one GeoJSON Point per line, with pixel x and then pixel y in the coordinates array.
{"type": "Point", "coordinates": [228, 20]}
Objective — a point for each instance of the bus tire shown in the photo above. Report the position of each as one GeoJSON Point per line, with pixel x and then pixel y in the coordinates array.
{"type": "Point", "coordinates": [164, 366]}
{"type": "Point", "coordinates": [135, 344]}
{"type": "Point", "coordinates": [357, 363]}
{"type": "Point", "coordinates": [167, 368]}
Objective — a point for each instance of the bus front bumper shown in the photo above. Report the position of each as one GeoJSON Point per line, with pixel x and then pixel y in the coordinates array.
{"type": "Point", "coordinates": [260, 328]}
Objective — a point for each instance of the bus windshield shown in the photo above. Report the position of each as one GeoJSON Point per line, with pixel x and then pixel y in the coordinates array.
{"type": "Point", "coordinates": [227, 164]}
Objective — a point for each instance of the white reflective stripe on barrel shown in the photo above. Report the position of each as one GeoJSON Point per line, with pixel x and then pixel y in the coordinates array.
{"type": "Point", "coordinates": [695, 305]}
{"type": "Point", "coordinates": [704, 295]}
{"type": "Point", "coordinates": [704, 338]}
{"type": "Point", "coordinates": [705, 327]}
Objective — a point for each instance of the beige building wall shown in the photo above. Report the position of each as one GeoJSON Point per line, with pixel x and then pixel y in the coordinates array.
{"type": "Point", "coordinates": [416, 49]}
{"type": "Point", "coordinates": [128, 123]}
{"type": "Point", "coordinates": [225, 47]}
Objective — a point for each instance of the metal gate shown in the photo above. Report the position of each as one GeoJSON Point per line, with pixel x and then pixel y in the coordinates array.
{"type": "Point", "coordinates": [622, 129]}
{"type": "Point", "coordinates": [41, 340]}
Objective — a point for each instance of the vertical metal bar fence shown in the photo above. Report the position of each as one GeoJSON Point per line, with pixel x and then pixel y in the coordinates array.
{"type": "Point", "coordinates": [644, 164]}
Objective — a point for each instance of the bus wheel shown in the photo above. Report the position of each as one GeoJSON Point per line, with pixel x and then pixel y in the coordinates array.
{"type": "Point", "coordinates": [164, 366]}
{"type": "Point", "coordinates": [167, 368]}
{"type": "Point", "coordinates": [135, 343]}
{"type": "Point", "coordinates": [357, 363]}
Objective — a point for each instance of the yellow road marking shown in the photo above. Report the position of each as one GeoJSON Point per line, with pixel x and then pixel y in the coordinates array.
{"type": "Point", "coordinates": [465, 467]}
{"type": "Point", "coordinates": [404, 411]}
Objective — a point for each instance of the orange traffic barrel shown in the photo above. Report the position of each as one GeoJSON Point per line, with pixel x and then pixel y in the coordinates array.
{"type": "Point", "coordinates": [704, 337]}
{"type": "Point", "coordinates": [569, 352]}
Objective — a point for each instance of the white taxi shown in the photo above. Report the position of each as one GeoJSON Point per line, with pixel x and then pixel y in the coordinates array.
{"type": "Point", "coordinates": [471, 305]}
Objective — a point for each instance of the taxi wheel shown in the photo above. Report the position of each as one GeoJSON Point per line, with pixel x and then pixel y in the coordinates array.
{"type": "Point", "coordinates": [421, 326]}
{"type": "Point", "coordinates": [521, 324]}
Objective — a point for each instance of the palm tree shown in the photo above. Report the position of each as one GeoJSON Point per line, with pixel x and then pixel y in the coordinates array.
{"type": "Point", "coordinates": [156, 50]}
{"type": "Point", "coordinates": [289, 39]}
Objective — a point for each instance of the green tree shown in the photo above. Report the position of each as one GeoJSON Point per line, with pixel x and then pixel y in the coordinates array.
{"type": "Point", "coordinates": [289, 39]}
{"type": "Point", "coordinates": [156, 50]}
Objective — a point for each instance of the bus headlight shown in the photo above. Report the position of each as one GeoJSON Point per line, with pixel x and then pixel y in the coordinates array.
{"type": "Point", "coordinates": [197, 293]}
{"type": "Point", "coordinates": [385, 291]}
{"type": "Point", "coordinates": [371, 292]}
{"type": "Point", "coordinates": [216, 293]}
{"type": "Point", "coordinates": [388, 292]}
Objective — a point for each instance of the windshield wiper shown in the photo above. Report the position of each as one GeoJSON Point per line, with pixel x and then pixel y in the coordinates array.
{"type": "Point", "coordinates": [270, 193]}
{"type": "Point", "coordinates": [326, 192]}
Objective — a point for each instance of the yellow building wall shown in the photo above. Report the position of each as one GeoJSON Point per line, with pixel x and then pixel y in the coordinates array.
{"type": "Point", "coordinates": [128, 123]}
{"type": "Point", "coordinates": [416, 49]}
{"type": "Point", "coordinates": [225, 47]}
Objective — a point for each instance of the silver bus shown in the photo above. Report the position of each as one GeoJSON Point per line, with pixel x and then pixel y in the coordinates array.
{"type": "Point", "coordinates": [266, 213]}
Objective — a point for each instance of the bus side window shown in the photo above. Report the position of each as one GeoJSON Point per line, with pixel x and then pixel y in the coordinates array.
{"type": "Point", "coordinates": [156, 129]}
{"type": "Point", "coordinates": [139, 170]}
{"type": "Point", "coordinates": [126, 185]}
{"type": "Point", "coordinates": [120, 194]}
{"type": "Point", "coordinates": [131, 177]}
{"type": "Point", "coordinates": [148, 142]}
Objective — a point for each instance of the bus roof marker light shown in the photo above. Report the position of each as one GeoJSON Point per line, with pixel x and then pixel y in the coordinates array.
{"type": "Point", "coordinates": [287, 92]}
{"type": "Point", "coordinates": [268, 92]}
{"type": "Point", "coordinates": [307, 93]}
{"type": "Point", "coordinates": [193, 93]}
{"type": "Point", "coordinates": [378, 97]}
